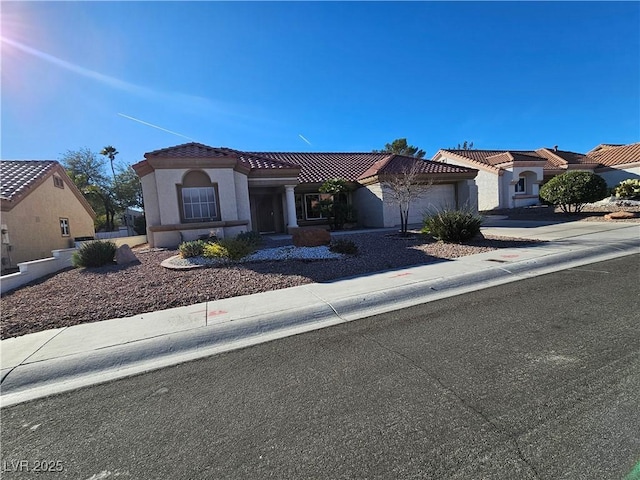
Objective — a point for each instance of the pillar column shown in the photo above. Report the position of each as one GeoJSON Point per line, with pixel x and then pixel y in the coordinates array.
{"type": "Point", "coordinates": [292, 221]}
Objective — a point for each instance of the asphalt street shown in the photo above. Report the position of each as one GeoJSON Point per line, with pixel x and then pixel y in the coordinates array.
{"type": "Point", "coordinates": [533, 379]}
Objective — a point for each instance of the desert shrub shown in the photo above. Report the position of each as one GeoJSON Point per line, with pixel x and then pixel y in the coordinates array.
{"type": "Point", "coordinates": [237, 248]}
{"type": "Point", "coordinates": [94, 254]}
{"type": "Point", "coordinates": [229, 248]}
{"type": "Point", "coordinates": [629, 188]}
{"type": "Point", "coordinates": [452, 225]}
{"type": "Point", "coordinates": [193, 248]}
{"type": "Point", "coordinates": [572, 190]}
{"type": "Point", "coordinates": [215, 250]}
{"type": "Point", "coordinates": [252, 238]}
{"type": "Point", "coordinates": [344, 246]}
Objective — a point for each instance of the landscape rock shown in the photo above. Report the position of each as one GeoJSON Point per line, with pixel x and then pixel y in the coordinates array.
{"type": "Point", "coordinates": [124, 255]}
{"type": "Point", "coordinates": [619, 215]}
{"type": "Point", "coordinates": [311, 237]}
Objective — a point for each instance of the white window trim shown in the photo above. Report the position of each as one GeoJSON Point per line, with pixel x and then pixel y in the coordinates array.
{"type": "Point", "coordinates": [520, 181]}
{"type": "Point", "coordinates": [213, 206]}
{"type": "Point", "coordinates": [65, 229]}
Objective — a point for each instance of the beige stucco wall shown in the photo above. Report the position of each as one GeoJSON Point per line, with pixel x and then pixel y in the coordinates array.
{"type": "Point", "coordinates": [163, 208]}
{"type": "Point", "coordinates": [488, 185]}
{"type": "Point", "coordinates": [34, 223]}
{"type": "Point", "coordinates": [167, 201]}
{"type": "Point", "coordinates": [368, 204]}
{"type": "Point", "coordinates": [613, 176]}
{"type": "Point", "coordinates": [243, 206]}
{"type": "Point", "coordinates": [435, 198]}
{"type": "Point", "coordinates": [150, 197]}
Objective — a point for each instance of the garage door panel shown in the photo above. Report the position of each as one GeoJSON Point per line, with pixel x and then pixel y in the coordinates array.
{"type": "Point", "coordinates": [437, 198]}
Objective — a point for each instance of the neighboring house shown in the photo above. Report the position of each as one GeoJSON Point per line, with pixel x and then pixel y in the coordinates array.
{"type": "Point", "coordinates": [617, 162]}
{"type": "Point", "coordinates": [192, 189]}
{"type": "Point", "coordinates": [512, 178]}
{"type": "Point", "coordinates": [42, 210]}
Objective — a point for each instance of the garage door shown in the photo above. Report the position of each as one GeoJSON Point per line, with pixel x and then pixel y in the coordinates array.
{"type": "Point", "coordinates": [437, 198]}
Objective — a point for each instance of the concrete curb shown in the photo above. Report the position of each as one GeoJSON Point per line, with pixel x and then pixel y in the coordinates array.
{"type": "Point", "coordinates": [36, 379]}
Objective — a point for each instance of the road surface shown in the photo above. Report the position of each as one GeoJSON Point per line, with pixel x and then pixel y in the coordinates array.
{"type": "Point", "coordinates": [534, 379]}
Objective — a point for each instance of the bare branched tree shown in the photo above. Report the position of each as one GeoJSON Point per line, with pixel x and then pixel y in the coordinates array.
{"type": "Point", "coordinates": [405, 188]}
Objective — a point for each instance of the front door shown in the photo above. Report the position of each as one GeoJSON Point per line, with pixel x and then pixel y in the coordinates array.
{"type": "Point", "coordinates": [265, 213]}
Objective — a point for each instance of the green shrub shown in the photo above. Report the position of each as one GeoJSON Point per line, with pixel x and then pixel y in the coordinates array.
{"type": "Point", "coordinates": [194, 248]}
{"type": "Point", "coordinates": [252, 238]}
{"type": "Point", "coordinates": [572, 190]}
{"type": "Point", "coordinates": [237, 248]}
{"type": "Point", "coordinates": [344, 246]}
{"type": "Point", "coordinates": [94, 254]}
{"type": "Point", "coordinates": [229, 248]}
{"type": "Point", "coordinates": [452, 225]}
{"type": "Point", "coordinates": [215, 250]}
{"type": "Point", "coordinates": [629, 188]}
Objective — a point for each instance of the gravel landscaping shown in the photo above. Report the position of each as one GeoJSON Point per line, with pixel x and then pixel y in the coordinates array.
{"type": "Point", "coordinates": [76, 296]}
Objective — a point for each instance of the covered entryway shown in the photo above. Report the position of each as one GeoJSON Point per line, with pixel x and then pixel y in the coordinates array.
{"type": "Point", "coordinates": [266, 210]}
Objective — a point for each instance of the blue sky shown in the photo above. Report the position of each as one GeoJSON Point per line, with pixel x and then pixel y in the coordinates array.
{"type": "Point", "coordinates": [333, 76]}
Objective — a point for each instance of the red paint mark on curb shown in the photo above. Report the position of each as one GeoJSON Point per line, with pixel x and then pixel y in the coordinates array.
{"type": "Point", "coordinates": [217, 312]}
{"type": "Point", "coordinates": [401, 275]}
{"type": "Point", "coordinates": [515, 255]}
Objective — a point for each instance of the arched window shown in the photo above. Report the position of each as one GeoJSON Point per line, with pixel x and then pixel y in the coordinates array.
{"type": "Point", "coordinates": [525, 182]}
{"type": "Point", "coordinates": [198, 198]}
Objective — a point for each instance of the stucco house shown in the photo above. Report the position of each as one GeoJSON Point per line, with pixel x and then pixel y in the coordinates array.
{"type": "Point", "coordinates": [193, 189]}
{"type": "Point", "coordinates": [617, 162]}
{"type": "Point", "coordinates": [42, 210]}
{"type": "Point", "coordinates": [512, 178]}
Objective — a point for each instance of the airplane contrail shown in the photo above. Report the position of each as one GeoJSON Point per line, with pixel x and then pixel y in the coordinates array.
{"type": "Point", "coordinates": [304, 139]}
{"type": "Point", "coordinates": [111, 81]}
{"type": "Point", "coordinates": [155, 126]}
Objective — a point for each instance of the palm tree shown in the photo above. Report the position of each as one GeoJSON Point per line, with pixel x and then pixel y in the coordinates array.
{"type": "Point", "coordinates": [111, 153]}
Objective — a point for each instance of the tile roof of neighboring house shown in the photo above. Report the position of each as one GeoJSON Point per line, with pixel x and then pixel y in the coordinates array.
{"type": "Point", "coordinates": [564, 157]}
{"type": "Point", "coordinates": [18, 176]}
{"type": "Point", "coordinates": [604, 146]}
{"type": "Point", "coordinates": [554, 159]}
{"type": "Point", "coordinates": [318, 167]}
{"type": "Point", "coordinates": [617, 155]}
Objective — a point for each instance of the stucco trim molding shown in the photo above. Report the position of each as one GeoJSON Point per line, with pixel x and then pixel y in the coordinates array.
{"type": "Point", "coordinates": [197, 226]}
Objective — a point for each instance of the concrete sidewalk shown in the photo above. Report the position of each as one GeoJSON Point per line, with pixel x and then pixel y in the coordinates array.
{"type": "Point", "coordinates": [58, 360]}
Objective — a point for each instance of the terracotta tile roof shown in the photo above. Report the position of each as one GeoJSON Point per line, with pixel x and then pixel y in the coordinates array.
{"type": "Point", "coordinates": [564, 157]}
{"type": "Point", "coordinates": [259, 162]}
{"type": "Point", "coordinates": [496, 157]}
{"type": "Point", "coordinates": [400, 164]}
{"type": "Point", "coordinates": [619, 155]}
{"type": "Point", "coordinates": [314, 167]}
{"type": "Point", "coordinates": [17, 176]}
{"type": "Point", "coordinates": [604, 146]}
{"type": "Point", "coordinates": [189, 150]}
{"type": "Point", "coordinates": [318, 167]}
{"type": "Point", "coordinates": [198, 150]}
{"type": "Point", "coordinates": [554, 159]}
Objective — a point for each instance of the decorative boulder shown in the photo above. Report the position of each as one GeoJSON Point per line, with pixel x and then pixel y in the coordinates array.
{"type": "Point", "coordinates": [124, 255]}
{"type": "Point", "coordinates": [311, 237]}
{"type": "Point", "coordinates": [619, 215]}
